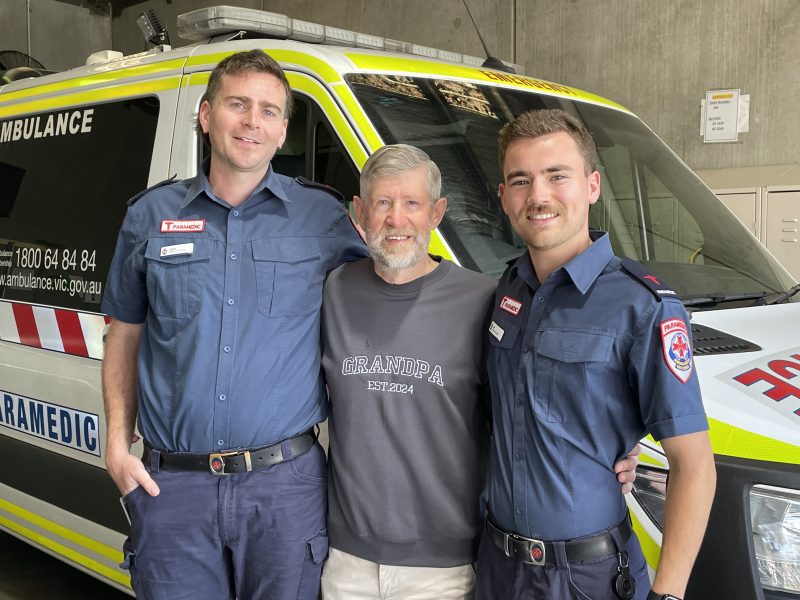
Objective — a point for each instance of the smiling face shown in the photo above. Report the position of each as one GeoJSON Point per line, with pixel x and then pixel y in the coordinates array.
{"type": "Point", "coordinates": [546, 194]}
{"type": "Point", "coordinates": [397, 217]}
{"type": "Point", "coordinates": [246, 122]}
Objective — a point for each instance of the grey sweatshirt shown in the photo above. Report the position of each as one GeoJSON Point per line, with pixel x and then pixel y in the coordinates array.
{"type": "Point", "coordinates": [405, 370]}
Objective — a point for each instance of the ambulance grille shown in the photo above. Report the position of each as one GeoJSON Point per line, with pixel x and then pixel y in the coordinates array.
{"type": "Point", "coordinates": [713, 341]}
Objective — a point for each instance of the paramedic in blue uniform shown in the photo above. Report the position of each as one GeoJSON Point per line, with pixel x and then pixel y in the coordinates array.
{"type": "Point", "coordinates": [588, 353]}
{"type": "Point", "coordinates": [215, 291]}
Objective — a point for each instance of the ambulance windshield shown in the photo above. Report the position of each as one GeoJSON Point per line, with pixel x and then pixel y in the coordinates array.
{"type": "Point", "coordinates": [654, 208]}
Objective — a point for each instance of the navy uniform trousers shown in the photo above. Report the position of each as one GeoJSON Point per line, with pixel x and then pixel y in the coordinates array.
{"type": "Point", "coordinates": [504, 578]}
{"type": "Point", "coordinates": [253, 536]}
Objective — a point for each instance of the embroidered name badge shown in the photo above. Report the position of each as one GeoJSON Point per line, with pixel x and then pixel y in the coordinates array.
{"type": "Point", "coordinates": [510, 305]}
{"type": "Point", "coordinates": [677, 349]}
{"type": "Point", "coordinates": [496, 331]}
{"type": "Point", "coordinates": [197, 225]}
{"type": "Point", "coordinates": [177, 250]}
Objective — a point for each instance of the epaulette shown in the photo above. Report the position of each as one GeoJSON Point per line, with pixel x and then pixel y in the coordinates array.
{"type": "Point", "coordinates": [152, 187]}
{"type": "Point", "coordinates": [320, 186]}
{"type": "Point", "coordinates": [636, 270]}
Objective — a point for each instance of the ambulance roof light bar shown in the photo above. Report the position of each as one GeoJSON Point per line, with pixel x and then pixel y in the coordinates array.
{"type": "Point", "coordinates": [204, 23]}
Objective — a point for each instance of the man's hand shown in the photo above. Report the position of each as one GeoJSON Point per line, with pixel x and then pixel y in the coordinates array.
{"type": "Point", "coordinates": [626, 469]}
{"type": "Point", "coordinates": [119, 395]}
{"type": "Point", "coordinates": [128, 473]}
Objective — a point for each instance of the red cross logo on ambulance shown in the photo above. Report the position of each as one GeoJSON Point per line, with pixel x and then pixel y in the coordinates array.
{"type": "Point", "coordinates": [677, 348]}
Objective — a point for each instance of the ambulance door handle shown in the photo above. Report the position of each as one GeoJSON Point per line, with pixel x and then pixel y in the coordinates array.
{"type": "Point", "coordinates": [789, 220]}
{"type": "Point", "coordinates": [789, 229]}
{"type": "Point", "coordinates": [794, 240]}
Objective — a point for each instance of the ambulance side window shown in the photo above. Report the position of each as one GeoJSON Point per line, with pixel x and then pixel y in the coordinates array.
{"type": "Point", "coordinates": [328, 163]}
{"type": "Point", "coordinates": [332, 165]}
{"type": "Point", "coordinates": [291, 158]}
{"type": "Point", "coordinates": [65, 178]}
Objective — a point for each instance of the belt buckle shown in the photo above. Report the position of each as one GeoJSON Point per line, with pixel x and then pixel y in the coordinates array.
{"type": "Point", "coordinates": [537, 552]}
{"type": "Point", "coordinates": [216, 461]}
{"type": "Point", "coordinates": [536, 549]}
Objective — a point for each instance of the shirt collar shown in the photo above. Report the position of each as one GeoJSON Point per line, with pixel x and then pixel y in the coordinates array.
{"type": "Point", "coordinates": [583, 270]}
{"type": "Point", "coordinates": [199, 183]}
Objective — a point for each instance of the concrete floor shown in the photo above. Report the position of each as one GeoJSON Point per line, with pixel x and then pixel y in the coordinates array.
{"type": "Point", "coordinates": [29, 574]}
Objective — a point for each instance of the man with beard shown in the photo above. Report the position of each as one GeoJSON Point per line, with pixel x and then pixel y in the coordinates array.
{"type": "Point", "coordinates": [404, 362]}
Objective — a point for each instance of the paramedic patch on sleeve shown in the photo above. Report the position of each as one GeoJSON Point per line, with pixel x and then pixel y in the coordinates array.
{"type": "Point", "coordinates": [677, 348]}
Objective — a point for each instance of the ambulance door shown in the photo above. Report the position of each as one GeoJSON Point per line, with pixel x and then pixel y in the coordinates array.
{"type": "Point", "coordinates": [66, 180]}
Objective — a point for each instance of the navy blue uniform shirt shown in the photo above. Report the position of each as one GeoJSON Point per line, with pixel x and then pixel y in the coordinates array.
{"type": "Point", "coordinates": [229, 296]}
{"type": "Point", "coordinates": [580, 368]}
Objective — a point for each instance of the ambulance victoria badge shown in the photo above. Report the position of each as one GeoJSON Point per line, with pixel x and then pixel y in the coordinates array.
{"type": "Point", "coordinates": [677, 348]}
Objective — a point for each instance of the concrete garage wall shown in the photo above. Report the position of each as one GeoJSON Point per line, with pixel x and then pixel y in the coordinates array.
{"type": "Point", "coordinates": [13, 26]}
{"type": "Point", "coordinates": [438, 23]}
{"type": "Point", "coordinates": [656, 57]}
{"type": "Point", "coordinates": [61, 35]}
{"type": "Point", "coordinates": [659, 58]}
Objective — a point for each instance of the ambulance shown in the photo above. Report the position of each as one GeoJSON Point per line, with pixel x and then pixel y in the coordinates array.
{"type": "Point", "coordinates": [75, 145]}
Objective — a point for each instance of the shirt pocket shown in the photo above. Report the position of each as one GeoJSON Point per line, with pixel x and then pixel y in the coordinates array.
{"type": "Point", "coordinates": [175, 282]}
{"type": "Point", "coordinates": [289, 276]}
{"type": "Point", "coordinates": [571, 366]}
{"type": "Point", "coordinates": [502, 336]}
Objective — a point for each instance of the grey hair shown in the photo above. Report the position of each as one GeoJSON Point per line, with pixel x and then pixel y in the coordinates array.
{"type": "Point", "coordinates": [396, 159]}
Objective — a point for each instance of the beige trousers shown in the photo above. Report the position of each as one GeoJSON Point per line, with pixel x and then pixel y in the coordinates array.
{"type": "Point", "coordinates": [347, 577]}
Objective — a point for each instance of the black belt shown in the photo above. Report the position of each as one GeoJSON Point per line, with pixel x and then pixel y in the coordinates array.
{"type": "Point", "coordinates": [539, 552]}
{"type": "Point", "coordinates": [239, 461]}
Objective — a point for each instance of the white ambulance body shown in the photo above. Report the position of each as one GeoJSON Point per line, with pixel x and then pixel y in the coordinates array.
{"type": "Point", "coordinates": [74, 146]}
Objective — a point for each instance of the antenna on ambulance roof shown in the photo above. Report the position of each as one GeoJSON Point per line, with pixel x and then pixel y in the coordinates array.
{"type": "Point", "coordinates": [491, 62]}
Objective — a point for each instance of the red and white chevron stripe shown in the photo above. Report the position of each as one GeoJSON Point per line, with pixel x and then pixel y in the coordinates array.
{"type": "Point", "coordinates": [56, 329]}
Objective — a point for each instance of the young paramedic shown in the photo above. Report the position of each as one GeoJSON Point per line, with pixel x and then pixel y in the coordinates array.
{"type": "Point", "coordinates": [214, 291]}
{"type": "Point", "coordinates": [403, 354]}
{"type": "Point", "coordinates": [588, 353]}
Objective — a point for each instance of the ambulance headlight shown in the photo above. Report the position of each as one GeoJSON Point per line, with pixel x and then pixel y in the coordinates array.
{"type": "Point", "coordinates": [775, 516]}
{"type": "Point", "coordinates": [650, 490]}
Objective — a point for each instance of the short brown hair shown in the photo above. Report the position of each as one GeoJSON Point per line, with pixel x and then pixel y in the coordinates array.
{"type": "Point", "coordinates": [536, 123]}
{"type": "Point", "coordinates": [251, 61]}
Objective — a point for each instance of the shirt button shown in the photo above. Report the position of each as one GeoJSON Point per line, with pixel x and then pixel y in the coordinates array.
{"type": "Point", "coordinates": [236, 213]}
{"type": "Point", "coordinates": [233, 256]}
{"type": "Point", "coordinates": [220, 442]}
{"type": "Point", "coordinates": [231, 301]}
{"type": "Point", "coordinates": [527, 348]}
{"type": "Point", "coordinates": [226, 349]}
{"type": "Point", "coordinates": [518, 511]}
{"type": "Point", "coordinates": [519, 455]}
{"type": "Point", "coordinates": [223, 397]}
{"type": "Point", "coordinates": [539, 299]}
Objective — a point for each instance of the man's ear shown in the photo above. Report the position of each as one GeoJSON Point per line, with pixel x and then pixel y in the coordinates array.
{"type": "Point", "coordinates": [439, 207]}
{"type": "Point", "coordinates": [282, 139]}
{"type": "Point", "coordinates": [501, 191]}
{"type": "Point", "coordinates": [202, 115]}
{"type": "Point", "coordinates": [594, 187]}
{"type": "Point", "coordinates": [359, 206]}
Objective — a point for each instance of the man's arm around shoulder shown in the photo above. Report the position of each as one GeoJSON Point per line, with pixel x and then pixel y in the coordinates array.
{"type": "Point", "coordinates": [119, 394]}
{"type": "Point", "coordinates": [690, 492]}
